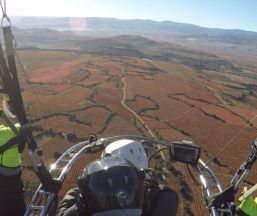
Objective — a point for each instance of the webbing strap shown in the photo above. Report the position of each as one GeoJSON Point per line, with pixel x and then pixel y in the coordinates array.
{"type": "Point", "coordinates": [10, 83]}
{"type": "Point", "coordinates": [15, 95]}
{"type": "Point", "coordinates": [4, 73]}
{"type": "Point", "coordinates": [249, 192]}
{"type": "Point", "coordinates": [18, 139]}
{"type": "Point", "coordinates": [12, 87]}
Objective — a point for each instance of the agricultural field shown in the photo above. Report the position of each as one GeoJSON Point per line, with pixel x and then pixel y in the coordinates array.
{"type": "Point", "coordinates": [69, 95]}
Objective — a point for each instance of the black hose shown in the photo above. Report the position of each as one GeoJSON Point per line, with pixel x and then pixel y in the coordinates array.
{"type": "Point", "coordinates": [156, 152]}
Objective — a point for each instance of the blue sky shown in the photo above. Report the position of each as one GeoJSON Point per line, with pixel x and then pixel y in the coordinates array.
{"type": "Point", "coordinates": [239, 14]}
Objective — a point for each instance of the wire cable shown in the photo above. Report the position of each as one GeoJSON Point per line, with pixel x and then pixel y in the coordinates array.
{"type": "Point", "coordinates": [229, 142]}
{"type": "Point", "coordinates": [3, 7]}
{"type": "Point", "coordinates": [4, 16]}
{"type": "Point", "coordinates": [156, 152]}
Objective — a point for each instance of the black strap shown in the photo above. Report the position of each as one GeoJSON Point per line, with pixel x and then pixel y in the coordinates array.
{"type": "Point", "coordinates": [218, 199]}
{"type": "Point", "coordinates": [4, 71]}
{"type": "Point", "coordinates": [49, 184]}
{"type": "Point", "coordinates": [10, 83]}
{"type": "Point", "coordinates": [11, 86]}
{"type": "Point", "coordinates": [14, 92]}
{"type": "Point", "coordinates": [20, 138]}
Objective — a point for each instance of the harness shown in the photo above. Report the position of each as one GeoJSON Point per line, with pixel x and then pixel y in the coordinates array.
{"type": "Point", "coordinates": [10, 158]}
{"type": "Point", "coordinates": [248, 204]}
{"type": "Point", "coordinates": [9, 85]}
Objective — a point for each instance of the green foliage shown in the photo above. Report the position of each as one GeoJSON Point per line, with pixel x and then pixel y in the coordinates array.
{"type": "Point", "coordinates": [187, 210]}
{"type": "Point", "coordinates": [72, 137]}
{"type": "Point", "coordinates": [71, 116]}
{"type": "Point", "coordinates": [157, 134]}
{"type": "Point", "coordinates": [30, 185]}
{"type": "Point", "coordinates": [107, 121]}
{"type": "Point", "coordinates": [104, 71]}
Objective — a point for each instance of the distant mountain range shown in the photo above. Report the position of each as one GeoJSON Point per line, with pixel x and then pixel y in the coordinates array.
{"type": "Point", "coordinates": [111, 27]}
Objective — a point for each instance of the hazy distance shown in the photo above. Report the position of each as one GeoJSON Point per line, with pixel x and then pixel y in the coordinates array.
{"type": "Point", "coordinates": [227, 14]}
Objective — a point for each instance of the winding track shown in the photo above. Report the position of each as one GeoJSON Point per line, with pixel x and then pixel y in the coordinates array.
{"type": "Point", "coordinates": [128, 108]}
{"type": "Point", "coordinates": [137, 116]}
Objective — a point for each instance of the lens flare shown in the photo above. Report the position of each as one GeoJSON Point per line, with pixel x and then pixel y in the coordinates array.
{"type": "Point", "coordinates": [78, 24]}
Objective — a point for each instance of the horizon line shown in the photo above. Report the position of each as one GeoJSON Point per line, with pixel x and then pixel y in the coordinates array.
{"type": "Point", "coordinates": [159, 21]}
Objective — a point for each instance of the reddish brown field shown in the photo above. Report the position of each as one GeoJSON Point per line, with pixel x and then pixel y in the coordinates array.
{"type": "Point", "coordinates": [247, 113]}
{"type": "Point", "coordinates": [120, 126]}
{"type": "Point", "coordinates": [139, 103]}
{"type": "Point", "coordinates": [164, 84]}
{"type": "Point", "coordinates": [110, 89]}
{"type": "Point", "coordinates": [229, 117]}
{"type": "Point", "coordinates": [175, 102]}
{"type": "Point", "coordinates": [63, 124]}
{"type": "Point", "coordinates": [95, 115]}
{"type": "Point", "coordinates": [170, 110]}
{"type": "Point", "coordinates": [56, 144]}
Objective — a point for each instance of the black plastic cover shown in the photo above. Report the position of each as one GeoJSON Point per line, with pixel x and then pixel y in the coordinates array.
{"type": "Point", "coordinates": [185, 152]}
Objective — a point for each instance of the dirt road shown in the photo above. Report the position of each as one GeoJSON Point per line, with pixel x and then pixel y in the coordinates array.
{"type": "Point", "coordinates": [128, 108]}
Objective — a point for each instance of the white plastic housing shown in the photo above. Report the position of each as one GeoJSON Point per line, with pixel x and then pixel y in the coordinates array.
{"type": "Point", "coordinates": [131, 150]}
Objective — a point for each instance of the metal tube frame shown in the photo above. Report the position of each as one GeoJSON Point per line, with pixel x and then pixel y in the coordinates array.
{"type": "Point", "coordinates": [84, 146]}
{"type": "Point", "coordinates": [204, 170]}
{"type": "Point", "coordinates": [207, 177]}
{"type": "Point", "coordinates": [50, 196]}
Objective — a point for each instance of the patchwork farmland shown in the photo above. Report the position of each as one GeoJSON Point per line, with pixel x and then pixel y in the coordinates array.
{"type": "Point", "coordinates": [69, 95]}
